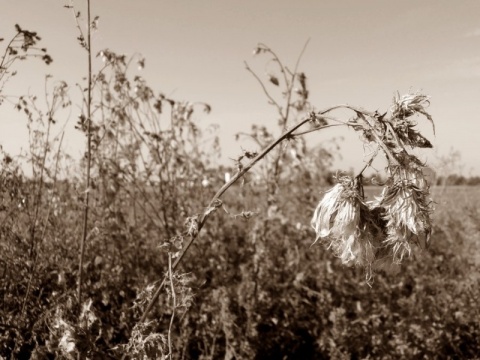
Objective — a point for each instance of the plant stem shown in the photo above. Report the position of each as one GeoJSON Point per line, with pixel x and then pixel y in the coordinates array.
{"type": "Point", "coordinates": [292, 81]}
{"type": "Point", "coordinates": [214, 203]}
{"type": "Point", "coordinates": [89, 158]}
{"type": "Point", "coordinates": [37, 250]}
{"type": "Point", "coordinates": [174, 305]}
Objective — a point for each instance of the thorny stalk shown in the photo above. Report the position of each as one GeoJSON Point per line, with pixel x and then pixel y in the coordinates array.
{"type": "Point", "coordinates": [366, 123]}
{"type": "Point", "coordinates": [215, 202]}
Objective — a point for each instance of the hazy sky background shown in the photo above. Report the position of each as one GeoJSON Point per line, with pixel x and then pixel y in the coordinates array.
{"type": "Point", "coordinates": [360, 53]}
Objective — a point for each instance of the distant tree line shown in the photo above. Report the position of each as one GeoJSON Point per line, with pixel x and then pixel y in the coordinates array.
{"type": "Point", "coordinates": [449, 180]}
{"type": "Point", "coordinates": [454, 179]}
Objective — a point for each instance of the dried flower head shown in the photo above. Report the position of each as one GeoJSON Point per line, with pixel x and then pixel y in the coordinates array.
{"type": "Point", "coordinates": [407, 105]}
{"type": "Point", "coordinates": [344, 219]}
{"type": "Point", "coordinates": [406, 209]}
{"type": "Point", "coordinates": [379, 234]}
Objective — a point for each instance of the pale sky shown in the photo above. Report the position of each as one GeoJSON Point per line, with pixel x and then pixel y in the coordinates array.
{"type": "Point", "coordinates": [360, 53]}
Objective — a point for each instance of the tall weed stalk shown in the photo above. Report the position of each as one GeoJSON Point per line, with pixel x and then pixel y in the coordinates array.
{"type": "Point", "coordinates": [87, 45]}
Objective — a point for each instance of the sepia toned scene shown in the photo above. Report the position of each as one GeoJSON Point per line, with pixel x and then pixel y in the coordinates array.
{"type": "Point", "coordinates": [239, 180]}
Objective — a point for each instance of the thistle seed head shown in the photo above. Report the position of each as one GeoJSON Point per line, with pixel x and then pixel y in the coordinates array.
{"type": "Point", "coordinates": [343, 219]}
{"type": "Point", "coordinates": [410, 104]}
{"type": "Point", "coordinates": [336, 209]}
{"type": "Point", "coordinates": [380, 233]}
{"type": "Point", "coordinates": [406, 210]}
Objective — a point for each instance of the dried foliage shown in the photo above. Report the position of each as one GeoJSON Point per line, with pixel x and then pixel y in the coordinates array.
{"type": "Point", "coordinates": [381, 231]}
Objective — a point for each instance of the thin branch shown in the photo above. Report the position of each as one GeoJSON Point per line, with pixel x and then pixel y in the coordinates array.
{"type": "Point", "coordinates": [215, 203]}
{"type": "Point", "coordinates": [301, 55]}
{"type": "Point", "coordinates": [174, 305]}
{"type": "Point", "coordinates": [277, 60]}
{"type": "Point", "coordinates": [379, 141]}
{"type": "Point", "coordinates": [272, 100]}
{"type": "Point", "coordinates": [89, 160]}
{"type": "Point", "coordinates": [290, 87]}
{"type": "Point", "coordinates": [4, 56]}
{"type": "Point", "coordinates": [318, 128]}
{"type": "Point", "coordinates": [75, 16]}
{"type": "Point", "coordinates": [369, 162]}
{"type": "Point", "coordinates": [35, 262]}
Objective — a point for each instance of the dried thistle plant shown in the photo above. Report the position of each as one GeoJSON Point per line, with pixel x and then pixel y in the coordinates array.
{"type": "Point", "coordinates": [374, 233]}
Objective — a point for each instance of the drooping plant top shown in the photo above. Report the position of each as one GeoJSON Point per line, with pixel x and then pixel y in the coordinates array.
{"type": "Point", "coordinates": [379, 233]}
